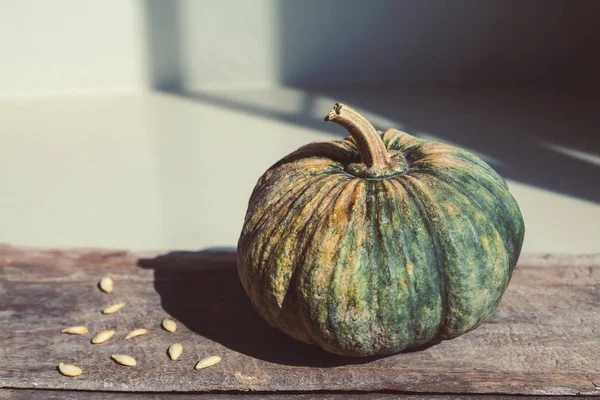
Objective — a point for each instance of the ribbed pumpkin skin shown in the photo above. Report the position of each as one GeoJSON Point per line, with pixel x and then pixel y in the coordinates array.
{"type": "Point", "coordinates": [373, 266]}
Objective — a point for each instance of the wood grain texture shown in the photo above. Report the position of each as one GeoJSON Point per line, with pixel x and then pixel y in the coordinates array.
{"type": "Point", "coordinates": [543, 340]}
{"type": "Point", "coordinates": [30, 394]}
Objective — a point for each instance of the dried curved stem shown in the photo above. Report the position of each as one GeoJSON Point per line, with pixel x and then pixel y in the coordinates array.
{"type": "Point", "coordinates": [372, 149]}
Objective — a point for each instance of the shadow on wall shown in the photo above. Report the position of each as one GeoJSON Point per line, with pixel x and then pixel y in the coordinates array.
{"type": "Point", "coordinates": [411, 41]}
{"type": "Point", "coordinates": [165, 57]}
{"type": "Point", "coordinates": [543, 43]}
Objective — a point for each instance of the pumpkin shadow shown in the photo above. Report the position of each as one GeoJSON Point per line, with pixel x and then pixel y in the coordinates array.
{"type": "Point", "coordinates": [202, 290]}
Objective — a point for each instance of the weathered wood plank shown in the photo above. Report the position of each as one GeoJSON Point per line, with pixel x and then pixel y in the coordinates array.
{"type": "Point", "coordinates": [40, 394]}
{"type": "Point", "coordinates": [543, 340]}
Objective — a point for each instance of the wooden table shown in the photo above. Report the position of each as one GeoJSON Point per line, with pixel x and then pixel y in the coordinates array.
{"type": "Point", "coordinates": [544, 340]}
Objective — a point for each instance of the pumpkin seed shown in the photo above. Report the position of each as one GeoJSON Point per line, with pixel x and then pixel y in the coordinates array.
{"type": "Point", "coordinates": [113, 309]}
{"type": "Point", "coordinates": [175, 351]}
{"type": "Point", "coordinates": [208, 362]}
{"type": "Point", "coordinates": [106, 284]}
{"type": "Point", "coordinates": [169, 325]}
{"type": "Point", "coordinates": [135, 333]}
{"type": "Point", "coordinates": [103, 336]}
{"type": "Point", "coordinates": [124, 359]}
{"type": "Point", "coordinates": [75, 330]}
{"type": "Point", "coordinates": [69, 369]}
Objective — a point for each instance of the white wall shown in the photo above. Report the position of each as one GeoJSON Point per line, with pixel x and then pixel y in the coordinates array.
{"type": "Point", "coordinates": [83, 45]}
{"type": "Point", "coordinates": [70, 46]}
{"type": "Point", "coordinates": [212, 43]}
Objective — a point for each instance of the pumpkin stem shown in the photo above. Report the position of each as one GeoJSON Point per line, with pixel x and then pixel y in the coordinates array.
{"type": "Point", "coordinates": [370, 145]}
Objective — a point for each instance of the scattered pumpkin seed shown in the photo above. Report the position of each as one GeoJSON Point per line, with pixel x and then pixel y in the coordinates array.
{"type": "Point", "coordinates": [135, 333]}
{"type": "Point", "coordinates": [106, 284]}
{"type": "Point", "coordinates": [175, 351]}
{"type": "Point", "coordinates": [69, 369]}
{"type": "Point", "coordinates": [124, 359]}
{"type": "Point", "coordinates": [169, 325]}
{"type": "Point", "coordinates": [103, 336]}
{"type": "Point", "coordinates": [113, 309]}
{"type": "Point", "coordinates": [75, 330]}
{"type": "Point", "coordinates": [207, 362]}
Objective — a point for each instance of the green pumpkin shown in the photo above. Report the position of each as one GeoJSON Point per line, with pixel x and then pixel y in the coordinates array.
{"type": "Point", "coordinates": [379, 242]}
